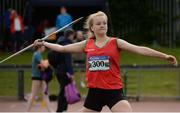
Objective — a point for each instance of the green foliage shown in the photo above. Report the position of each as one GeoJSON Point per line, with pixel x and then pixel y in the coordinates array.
{"type": "Point", "coordinates": [135, 20]}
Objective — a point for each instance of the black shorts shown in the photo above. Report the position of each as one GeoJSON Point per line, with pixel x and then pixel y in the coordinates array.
{"type": "Point", "coordinates": [36, 78]}
{"type": "Point", "coordinates": [98, 98]}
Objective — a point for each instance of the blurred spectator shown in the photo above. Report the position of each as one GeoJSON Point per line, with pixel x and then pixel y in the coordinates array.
{"type": "Point", "coordinates": [17, 30]}
{"type": "Point", "coordinates": [79, 59]}
{"type": "Point", "coordinates": [38, 83]}
{"type": "Point", "coordinates": [63, 19]}
{"type": "Point", "coordinates": [1, 43]}
{"type": "Point", "coordinates": [28, 35]}
{"type": "Point", "coordinates": [49, 30]}
{"type": "Point", "coordinates": [87, 34]}
{"type": "Point", "coordinates": [79, 36]}
{"type": "Point", "coordinates": [40, 30]}
{"type": "Point", "coordinates": [6, 36]}
{"type": "Point", "coordinates": [62, 63]}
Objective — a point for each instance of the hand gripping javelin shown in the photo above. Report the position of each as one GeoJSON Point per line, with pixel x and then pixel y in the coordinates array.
{"type": "Point", "coordinates": [24, 49]}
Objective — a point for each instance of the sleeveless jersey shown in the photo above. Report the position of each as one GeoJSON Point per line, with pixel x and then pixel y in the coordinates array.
{"type": "Point", "coordinates": [102, 65]}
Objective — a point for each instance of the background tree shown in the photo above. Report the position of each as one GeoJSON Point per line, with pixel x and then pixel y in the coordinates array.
{"type": "Point", "coordinates": [135, 20]}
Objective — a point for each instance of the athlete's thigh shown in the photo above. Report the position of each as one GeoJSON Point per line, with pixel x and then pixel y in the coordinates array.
{"type": "Point", "coordinates": [84, 109]}
{"type": "Point", "coordinates": [122, 106]}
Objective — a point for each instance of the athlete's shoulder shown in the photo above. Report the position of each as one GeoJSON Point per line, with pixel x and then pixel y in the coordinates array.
{"type": "Point", "coordinates": [113, 38]}
{"type": "Point", "coordinates": [90, 39]}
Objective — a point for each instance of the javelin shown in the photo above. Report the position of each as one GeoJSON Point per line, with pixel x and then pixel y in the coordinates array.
{"type": "Point", "coordinates": [42, 39]}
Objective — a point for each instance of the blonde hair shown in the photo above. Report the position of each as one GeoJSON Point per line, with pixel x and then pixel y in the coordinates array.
{"type": "Point", "coordinates": [89, 22]}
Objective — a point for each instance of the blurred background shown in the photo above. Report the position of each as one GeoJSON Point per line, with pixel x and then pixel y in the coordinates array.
{"type": "Point", "coordinates": [138, 21]}
{"type": "Point", "coordinates": [153, 23]}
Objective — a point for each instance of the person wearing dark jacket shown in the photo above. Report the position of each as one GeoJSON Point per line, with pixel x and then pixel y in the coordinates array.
{"type": "Point", "coordinates": [62, 64]}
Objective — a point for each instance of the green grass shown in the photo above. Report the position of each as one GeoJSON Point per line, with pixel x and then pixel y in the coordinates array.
{"type": "Point", "coordinates": [153, 83]}
{"type": "Point", "coordinates": [162, 82]}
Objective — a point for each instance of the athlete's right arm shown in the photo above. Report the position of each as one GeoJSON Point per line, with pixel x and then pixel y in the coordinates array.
{"type": "Point", "coordinates": [72, 48]}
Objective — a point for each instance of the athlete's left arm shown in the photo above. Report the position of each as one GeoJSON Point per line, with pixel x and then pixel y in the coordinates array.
{"type": "Point", "coordinates": [124, 45]}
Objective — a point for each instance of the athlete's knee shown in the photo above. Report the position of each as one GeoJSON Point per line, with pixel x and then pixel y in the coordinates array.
{"type": "Point", "coordinates": [122, 106]}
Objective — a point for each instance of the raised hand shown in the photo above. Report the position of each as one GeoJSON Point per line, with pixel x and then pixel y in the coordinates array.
{"type": "Point", "coordinates": [39, 42]}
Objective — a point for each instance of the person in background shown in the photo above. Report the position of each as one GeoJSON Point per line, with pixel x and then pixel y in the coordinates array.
{"type": "Point", "coordinates": [63, 19]}
{"type": "Point", "coordinates": [105, 86]}
{"type": "Point", "coordinates": [7, 37]}
{"type": "Point", "coordinates": [87, 33]}
{"type": "Point", "coordinates": [1, 40]}
{"type": "Point", "coordinates": [17, 30]}
{"type": "Point", "coordinates": [79, 36]}
{"type": "Point", "coordinates": [38, 84]}
{"type": "Point", "coordinates": [40, 29]}
{"type": "Point", "coordinates": [62, 64]}
{"type": "Point", "coordinates": [79, 59]}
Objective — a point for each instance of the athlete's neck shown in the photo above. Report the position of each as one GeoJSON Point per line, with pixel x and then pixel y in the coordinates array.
{"type": "Point", "coordinates": [101, 38]}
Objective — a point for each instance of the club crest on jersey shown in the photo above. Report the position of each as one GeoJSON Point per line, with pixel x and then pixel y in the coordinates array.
{"type": "Point", "coordinates": [89, 50]}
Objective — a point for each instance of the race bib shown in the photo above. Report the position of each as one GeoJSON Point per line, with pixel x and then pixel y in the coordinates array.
{"type": "Point", "coordinates": [98, 63]}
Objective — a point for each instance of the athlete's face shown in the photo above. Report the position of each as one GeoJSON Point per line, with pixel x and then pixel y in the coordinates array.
{"type": "Point", "coordinates": [99, 26]}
